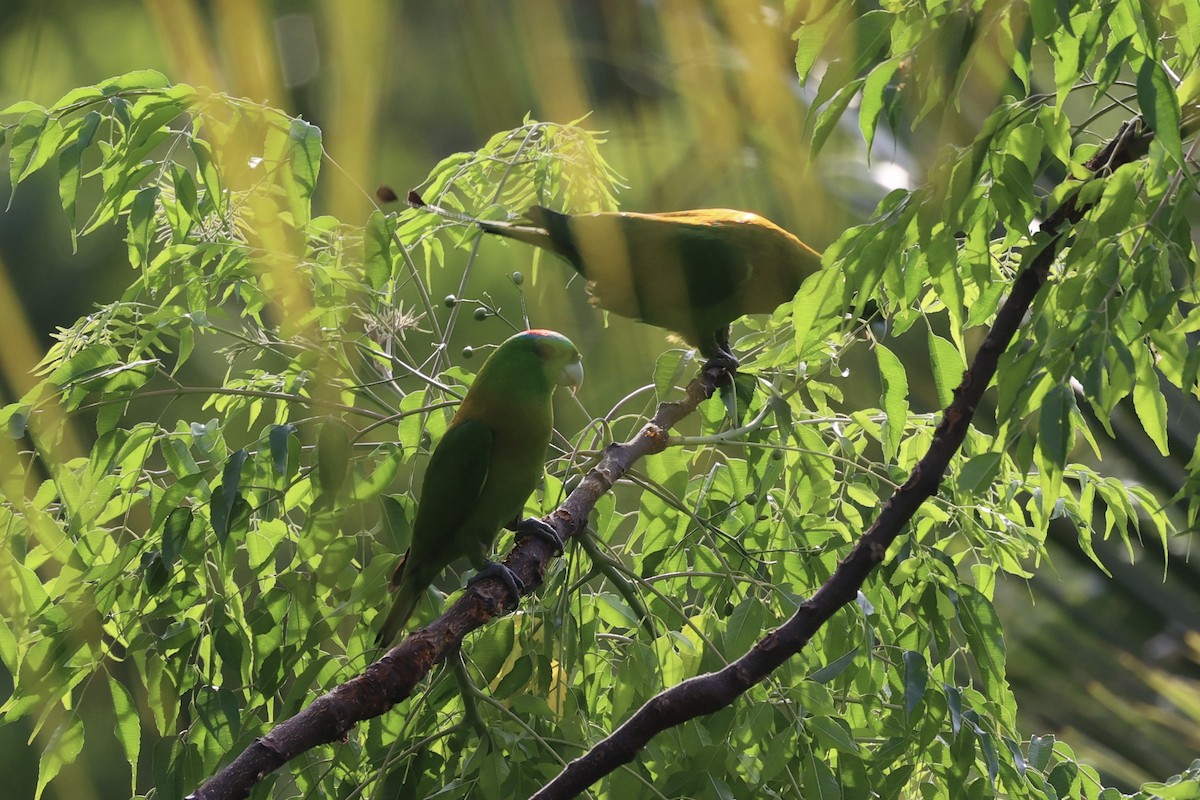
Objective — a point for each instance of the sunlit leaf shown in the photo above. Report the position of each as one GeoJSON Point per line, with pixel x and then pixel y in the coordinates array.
{"type": "Point", "coordinates": [64, 746]}
{"type": "Point", "coordinates": [895, 399]}
{"type": "Point", "coordinates": [1151, 407]}
{"type": "Point", "coordinates": [948, 367]}
{"type": "Point", "coordinates": [128, 727]}
{"type": "Point", "coordinates": [1156, 96]}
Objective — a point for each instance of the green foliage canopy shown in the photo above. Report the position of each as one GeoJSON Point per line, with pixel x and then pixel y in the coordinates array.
{"type": "Point", "coordinates": [216, 570]}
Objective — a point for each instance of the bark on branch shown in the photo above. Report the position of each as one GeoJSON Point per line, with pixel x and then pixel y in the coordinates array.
{"type": "Point", "coordinates": [705, 694]}
{"type": "Point", "coordinates": [392, 678]}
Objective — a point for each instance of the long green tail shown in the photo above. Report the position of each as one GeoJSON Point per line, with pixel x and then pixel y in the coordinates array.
{"type": "Point", "coordinates": [408, 592]}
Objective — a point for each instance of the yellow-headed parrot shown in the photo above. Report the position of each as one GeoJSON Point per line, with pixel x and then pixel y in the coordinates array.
{"type": "Point", "coordinates": [692, 272]}
{"type": "Point", "coordinates": [484, 468]}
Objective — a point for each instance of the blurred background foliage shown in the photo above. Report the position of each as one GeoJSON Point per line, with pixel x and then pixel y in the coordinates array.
{"type": "Point", "coordinates": [700, 107]}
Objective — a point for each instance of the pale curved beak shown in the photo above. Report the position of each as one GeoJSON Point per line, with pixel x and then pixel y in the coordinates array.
{"type": "Point", "coordinates": [572, 375]}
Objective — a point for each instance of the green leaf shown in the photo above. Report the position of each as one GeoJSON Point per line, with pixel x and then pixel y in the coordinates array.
{"type": "Point", "coordinates": [85, 365]}
{"type": "Point", "coordinates": [379, 473]}
{"type": "Point", "coordinates": [16, 420]}
{"type": "Point", "coordinates": [70, 162]}
{"type": "Point", "coordinates": [278, 439]}
{"type": "Point", "coordinates": [745, 626]}
{"type": "Point", "coordinates": [828, 118]}
{"type": "Point", "coordinates": [1056, 130]}
{"type": "Point", "coordinates": [305, 150]}
{"type": "Point", "coordinates": [988, 746]}
{"type": "Point", "coordinates": [336, 557]}
{"type": "Point", "coordinates": [181, 212]}
{"type": "Point", "coordinates": [138, 79]}
{"type": "Point", "coordinates": [1040, 750]}
{"type": "Point", "coordinates": [22, 107]}
{"type": "Point", "coordinates": [1026, 143]}
{"type": "Point", "coordinates": [895, 400]}
{"type": "Point", "coordinates": [77, 98]}
{"type": "Point", "coordinates": [815, 699]}
{"type": "Point", "coordinates": [1115, 208]}
{"type": "Point", "coordinates": [515, 679]}
{"type": "Point", "coordinates": [1116, 58]}
{"type": "Point", "coordinates": [874, 94]}
{"type": "Point", "coordinates": [916, 679]}
{"type": "Point", "coordinates": [128, 728]}
{"type": "Point", "coordinates": [222, 504]}
{"type": "Point", "coordinates": [24, 144]}
{"type": "Point", "coordinates": [819, 781]}
{"type": "Point", "coordinates": [954, 706]}
{"type": "Point", "coordinates": [1043, 18]}
{"type": "Point", "coordinates": [1156, 96]}
{"type": "Point", "coordinates": [178, 456]}
{"type": "Point", "coordinates": [141, 226]}
{"type": "Point", "coordinates": [217, 709]}
{"type": "Point", "coordinates": [616, 611]}
{"type": "Point", "coordinates": [948, 367]}
{"type": "Point", "coordinates": [175, 531]}
{"type": "Point", "coordinates": [206, 170]}
{"type": "Point", "coordinates": [833, 732]}
{"type": "Point", "coordinates": [834, 668]}
{"type": "Point", "coordinates": [1151, 405]}
{"type": "Point", "coordinates": [46, 147]}
{"type": "Point", "coordinates": [377, 249]}
{"type": "Point", "coordinates": [65, 745]}
{"type": "Point", "coordinates": [1183, 790]}
{"type": "Point", "coordinates": [396, 521]}
{"type": "Point", "coordinates": [668, 368]}
{"type": "Point", "coordinates": [1054, 424]}
{"type": "Point", "coordinates": [979, 472]}
{"type": "Point", "coordinates": [263, 540]}
{"type": "Point", "coordinates": [812, 303]}
{"type": "Point", "coordinates": [985, 636]}
{"type": "Point", "coordinates": [492, 647]}
{"type": "Point", "coordinates": [873, 32]}
{"type": "Point", "coordinates": [811, 39]}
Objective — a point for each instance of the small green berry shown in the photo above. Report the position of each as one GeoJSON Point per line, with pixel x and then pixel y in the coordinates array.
{"type": "Point", "coordinates": [518, 278]}
{"type": "Point", "coordinates": [450, 301]}
{"type": "Point", "coordinates": [468, 351]}
{"type": "Point", "coordinates": [481, 314]}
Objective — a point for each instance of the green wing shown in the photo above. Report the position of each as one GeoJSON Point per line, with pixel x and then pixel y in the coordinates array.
{"type": "Point", "coordinates": [453, 483]}
{"type": "Point", "coordinates": [454, 480]}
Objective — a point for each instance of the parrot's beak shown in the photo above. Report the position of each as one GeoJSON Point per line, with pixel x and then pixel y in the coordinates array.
{"type": "Point", "coordinates": [572, 375]}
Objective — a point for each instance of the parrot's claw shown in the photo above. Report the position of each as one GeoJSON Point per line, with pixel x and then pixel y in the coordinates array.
{"type": "Point", "coordinates": [494, 569]}
{"type": "Point", "coordinates": [720, 354]}
{"type": "Point", "coordinates": [722, 367]}
{"type": "Point", "coordinates": [532, 526]}
{"type": "Point", "coordinates": [723, 361]}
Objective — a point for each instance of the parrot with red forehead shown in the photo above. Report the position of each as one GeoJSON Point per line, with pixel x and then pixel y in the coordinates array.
{"type": "Point", "coordinates": [484, 468]}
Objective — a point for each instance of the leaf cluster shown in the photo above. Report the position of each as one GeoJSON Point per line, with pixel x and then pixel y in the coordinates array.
{"type": "Point", "coordinates": [217, 566]}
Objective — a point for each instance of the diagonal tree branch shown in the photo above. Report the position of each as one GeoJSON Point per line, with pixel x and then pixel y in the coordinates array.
{"type": "Point", "coordinates": [392, 678]}
{"type": "Point", "coordinates": [705, 694]}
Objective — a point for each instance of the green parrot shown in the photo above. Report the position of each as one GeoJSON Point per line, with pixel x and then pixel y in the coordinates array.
{"type": "Point", "coordinates": [484, 468]}
{"type": "Point", "coordinates": [692, 272]}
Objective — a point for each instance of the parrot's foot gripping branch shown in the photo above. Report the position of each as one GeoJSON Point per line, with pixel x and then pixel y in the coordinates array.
{"type": "Point", "coordinates": [494, 569]}
{"type": "Point", "coordinates": [532, 526]}
{"type": "Point", "coordinates": [723, 361]}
